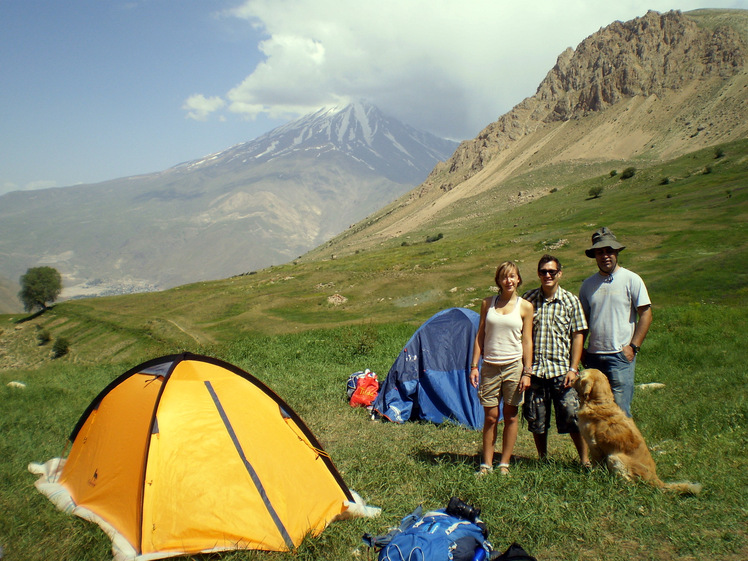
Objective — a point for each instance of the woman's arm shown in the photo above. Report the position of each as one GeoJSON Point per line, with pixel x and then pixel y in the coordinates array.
{"type": "Point", "coordinates": [478, 345]}
{"type": "Point", "coordinates": [526, 312]}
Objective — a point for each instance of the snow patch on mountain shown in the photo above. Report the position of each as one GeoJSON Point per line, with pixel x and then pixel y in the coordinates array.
{"type": "Point", "coordinates": [358, 130]}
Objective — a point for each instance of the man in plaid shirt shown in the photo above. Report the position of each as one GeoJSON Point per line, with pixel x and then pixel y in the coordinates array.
{"type": "Point", "coordinates": [558, 330]}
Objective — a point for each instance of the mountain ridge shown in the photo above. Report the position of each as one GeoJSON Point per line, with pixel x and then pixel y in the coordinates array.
{"type": "Point", "coordinates": [586, 117]}
{"type": "Point", "coordinates": [605, 118]}
{"type": "Point", "coordinates": [256, 204]}
{"type": "Point", "coordinates": [358, 129]}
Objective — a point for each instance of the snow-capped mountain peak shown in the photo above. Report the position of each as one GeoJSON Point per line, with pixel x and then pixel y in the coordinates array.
{"type": "Point", "coordinates": [358, 130]}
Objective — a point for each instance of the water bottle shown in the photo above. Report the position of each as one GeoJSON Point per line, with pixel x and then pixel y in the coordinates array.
{"type": "Point", "coordinates": [480, 554]}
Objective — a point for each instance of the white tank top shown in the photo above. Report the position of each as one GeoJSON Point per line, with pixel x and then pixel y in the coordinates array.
{"type": "Point", "coordinates": [503, 337]}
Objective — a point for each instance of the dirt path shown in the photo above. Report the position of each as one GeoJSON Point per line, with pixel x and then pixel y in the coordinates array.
{"type": "Point", "coordinates": [194, 337]}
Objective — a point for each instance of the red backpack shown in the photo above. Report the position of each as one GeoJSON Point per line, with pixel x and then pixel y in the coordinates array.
{"type": "Point", "coordinates": [367, 388]}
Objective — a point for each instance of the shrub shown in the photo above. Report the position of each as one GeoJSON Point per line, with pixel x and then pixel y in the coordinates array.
{"type": "Point", "coordinates": [628, 172]}
{"type": "Point", "coordinates": [554, 189]}
{"type": "Point", "coordinates": [613, 173]}
{"type": "Point", "coordinates": [61, 347]}
{"type": "Point", "coordinates": [665, 181]}
{"type": "Point", "coordinates": [596, 191]}
{"type": "Point", "coordinates": [719, 153]}
{"type": "Point", "coordinates": [356, 341]}
{"type": "Point", "coordinates": [430, 239]}
{"type": "Point", "coordinates": [43, 337]}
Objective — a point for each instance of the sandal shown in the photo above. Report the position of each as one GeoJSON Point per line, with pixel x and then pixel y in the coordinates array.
{"type": "Point", "coordinates": [484, 469]}
{"type": "Point", "coordinates": [504, 469]}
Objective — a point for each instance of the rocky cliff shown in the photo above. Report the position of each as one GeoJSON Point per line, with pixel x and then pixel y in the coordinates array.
{"type": "Point", "coordinates": [647, 90]}
{"type": "Point", "coordinates": [654, 55]}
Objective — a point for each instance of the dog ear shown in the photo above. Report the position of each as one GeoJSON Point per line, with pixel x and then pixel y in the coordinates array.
{"type": "Point", "coordinates": [585, 385]}
{"type": "Point", "coordinates": [588, 391]}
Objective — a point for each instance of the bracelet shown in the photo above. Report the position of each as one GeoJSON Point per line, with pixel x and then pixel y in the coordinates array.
{"type": "Point", "coordinates": [473, 366]}
{"type": "Point", "coordinates": [574, 370]}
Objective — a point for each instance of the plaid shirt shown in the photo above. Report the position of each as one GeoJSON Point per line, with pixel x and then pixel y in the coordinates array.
{"type": "Point", "coordinates": [553, 323]}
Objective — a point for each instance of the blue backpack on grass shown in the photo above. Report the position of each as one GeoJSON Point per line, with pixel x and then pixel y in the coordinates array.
{"type": "Point", "coordinates": [434, 536]}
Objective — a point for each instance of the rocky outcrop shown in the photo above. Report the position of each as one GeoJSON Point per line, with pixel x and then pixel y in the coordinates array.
{"type": "Point", "coordinates": [642, 57]}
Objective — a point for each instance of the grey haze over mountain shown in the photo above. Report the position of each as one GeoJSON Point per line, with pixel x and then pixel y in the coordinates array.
{"type": "Point", "coordinates": [259, 203]}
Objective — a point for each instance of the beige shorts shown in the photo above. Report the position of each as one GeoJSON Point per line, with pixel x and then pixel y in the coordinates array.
{"type": "Point", "coordinates": [499, 381]}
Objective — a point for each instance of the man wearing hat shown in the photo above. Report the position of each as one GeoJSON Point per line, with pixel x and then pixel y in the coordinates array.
{"type": "Point", "coordinates": [619, 314]}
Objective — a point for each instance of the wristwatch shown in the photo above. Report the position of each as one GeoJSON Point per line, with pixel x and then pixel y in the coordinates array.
{"type": "Point", "coordinates": [635, 348]}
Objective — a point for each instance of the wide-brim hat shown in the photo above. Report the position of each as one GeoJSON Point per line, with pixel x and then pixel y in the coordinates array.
{"type": "Point", "coordinates": [603, 238]}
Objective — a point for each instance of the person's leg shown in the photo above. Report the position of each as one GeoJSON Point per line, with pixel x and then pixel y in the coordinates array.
{"type": "Point", "coordinates": [541, 444]}
{"type": "Point", "coordinates": [620, 374]}
{"type": "Point", "coordinates": [512, 402]}
{"type": "Point", "coordinates": [537, 413]}
{"type": "Point", "coordinates": [489, 394]}
{"type": "Point", "coordinates": [566, 405]}
{"type": "Point", "coordinates": [489, 433]}
{"type": "Point", "coordinates": [509, 435]}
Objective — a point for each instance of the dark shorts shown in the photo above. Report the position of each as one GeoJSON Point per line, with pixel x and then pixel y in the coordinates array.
{"type": "Point", "coordinates": [537, 407]}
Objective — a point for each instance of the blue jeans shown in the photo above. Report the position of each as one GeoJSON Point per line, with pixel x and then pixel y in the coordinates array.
{"type": "Point", "coordinates": [620, 374]}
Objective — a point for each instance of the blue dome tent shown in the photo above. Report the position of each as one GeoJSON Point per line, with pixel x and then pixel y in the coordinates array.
{"type": "Point", "coordinates": [430, 379]}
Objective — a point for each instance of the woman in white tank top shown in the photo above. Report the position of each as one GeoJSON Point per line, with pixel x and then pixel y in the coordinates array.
{"type": "Point", "coordinates": [504, 340]}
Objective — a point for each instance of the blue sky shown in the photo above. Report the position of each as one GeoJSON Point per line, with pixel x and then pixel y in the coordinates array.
{"type": "Point", "coordinates": [92, 90]}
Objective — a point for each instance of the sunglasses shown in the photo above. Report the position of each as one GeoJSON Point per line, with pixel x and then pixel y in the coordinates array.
{"type": "Point", "coordinates": [550, 272]}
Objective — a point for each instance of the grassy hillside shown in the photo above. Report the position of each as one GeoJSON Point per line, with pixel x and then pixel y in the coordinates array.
{"type": "Point", "coordinates": [684, 225]}
{"type": "Point", "coordinates": [688, 215]}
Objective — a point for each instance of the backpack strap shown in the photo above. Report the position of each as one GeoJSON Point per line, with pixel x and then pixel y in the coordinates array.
{"type": "Point", "coordinates": [384, 539]}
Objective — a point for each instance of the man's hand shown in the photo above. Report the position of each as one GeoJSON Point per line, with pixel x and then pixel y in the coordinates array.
{"type": "Point", "coordinates": [570, 377]}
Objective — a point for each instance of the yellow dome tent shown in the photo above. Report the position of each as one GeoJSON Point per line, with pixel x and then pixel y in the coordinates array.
{"type": "Point", "coordinates": [187, 454]}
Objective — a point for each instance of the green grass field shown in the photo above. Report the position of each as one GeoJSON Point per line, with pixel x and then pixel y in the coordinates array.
{"type": "Point", "coordinates": [687, 239]}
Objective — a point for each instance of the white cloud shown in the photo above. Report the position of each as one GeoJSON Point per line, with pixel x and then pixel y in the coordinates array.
{"type": "Point", "coordinates": [9, 186]}
{"type": "Point", "coordinates": [448, 66]}
{"type": "Point", "coordinates": [199, 107]}
{"type": "Point", "coordinates": [40, 184]}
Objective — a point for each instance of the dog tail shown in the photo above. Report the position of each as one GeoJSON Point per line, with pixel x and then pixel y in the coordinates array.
{"type": "Point", "coordinates": [683, 487]}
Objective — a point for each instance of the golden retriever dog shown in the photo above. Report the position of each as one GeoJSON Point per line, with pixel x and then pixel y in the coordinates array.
{"type": "Point", "coordinates": [613, 438]}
